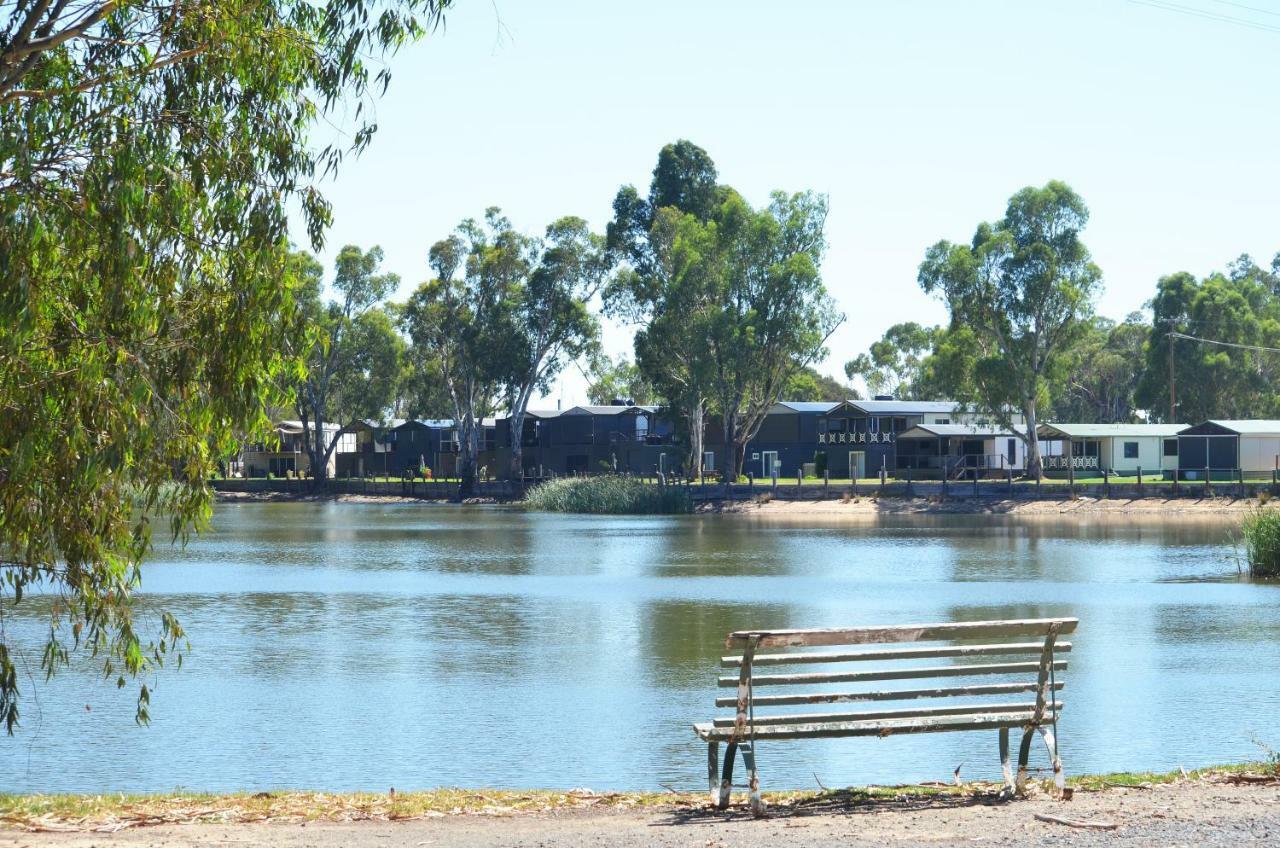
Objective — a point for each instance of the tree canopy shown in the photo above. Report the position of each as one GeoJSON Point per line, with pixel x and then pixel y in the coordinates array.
{"type": "Point", "coordinates": [1020, 293]}
{"type": "Point", "coordinates": [149, 154]}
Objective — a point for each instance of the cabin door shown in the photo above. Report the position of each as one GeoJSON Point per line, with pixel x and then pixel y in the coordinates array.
{"type": "Point", "coordinates": [769, 465]}
{"type": "Point", "coordinates": [857, 464]}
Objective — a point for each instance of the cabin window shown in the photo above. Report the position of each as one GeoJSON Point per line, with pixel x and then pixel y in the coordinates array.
{"type": "Point", "coordinates": [873, 425]}
{"type": "Point", "coordinates": [1130, 450]}
{"type": "Point", "coordinates": [1170, 447]}
{"type": "Point", "coordinates": [943, 421]}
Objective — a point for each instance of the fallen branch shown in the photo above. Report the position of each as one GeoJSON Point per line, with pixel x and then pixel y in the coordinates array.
{"type": "Point", "coordinates": [1086, 825]}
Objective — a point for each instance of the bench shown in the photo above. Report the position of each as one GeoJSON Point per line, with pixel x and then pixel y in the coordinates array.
{"type": "Point", "coordinates": [998, 675]}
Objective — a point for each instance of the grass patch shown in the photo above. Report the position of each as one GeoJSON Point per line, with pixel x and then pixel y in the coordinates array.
{"type": "Point", "coordinates": [1261, 532]}
{"type": "Point", "coordinates": [610, 494]}
{"type": "Point", "coordinates": [113, 812]}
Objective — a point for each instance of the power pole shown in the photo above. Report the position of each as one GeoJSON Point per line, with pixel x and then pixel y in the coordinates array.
{"type": "Point", "coordinates": [1173, 384]}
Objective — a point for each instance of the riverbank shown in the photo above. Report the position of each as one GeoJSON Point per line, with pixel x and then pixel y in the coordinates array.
{"type": "Point", "coordinates": [1235, 806]}
{"type": "Point", "coordinates": [864, 506]}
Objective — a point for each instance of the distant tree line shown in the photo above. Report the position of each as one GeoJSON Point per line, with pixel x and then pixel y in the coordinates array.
{"type": "Point", "coordinates": [1023, 336]}
{"type": "Point", "coordinates": [727, 301]}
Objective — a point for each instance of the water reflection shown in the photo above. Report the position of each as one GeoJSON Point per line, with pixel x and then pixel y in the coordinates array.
{"type": "Point", "coordinates": [363, 646]}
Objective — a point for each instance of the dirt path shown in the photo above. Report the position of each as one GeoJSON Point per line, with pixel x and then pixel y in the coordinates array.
{"type": "Point", "coordinates": [1191, 813]}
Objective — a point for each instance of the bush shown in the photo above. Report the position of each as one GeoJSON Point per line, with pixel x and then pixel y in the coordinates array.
{"type": "Point", "coordinates": [1261, 531]}
{"type": "Point", "coordinates": [609, 494]}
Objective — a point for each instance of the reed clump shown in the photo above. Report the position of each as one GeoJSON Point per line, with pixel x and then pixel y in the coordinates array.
{"type": "Point", "coordinates": [609, 494]}
{"type": "Point", "coordinates": [1261, 533]}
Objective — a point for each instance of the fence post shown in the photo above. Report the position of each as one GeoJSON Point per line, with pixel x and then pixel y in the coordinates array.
{"type": "Point", "coordinates": [751, 482]}
{"type": "Point", "coordinates": [826, 483]}
{"type": "Point", "coordinates": [1139, 479]}
{"type": "Point", "coordinates": [910, 490]}
{"type": "Point", "coordinates": [975, 482]}
{"type": "Point", "coordinates": [1071, 477]}
{"type": "Point", "coordinates": [1240, 477]}
{"type": "Point", "coordinates": [775, 478]}
{"type": "Point", "coordinates": [1106, 481]}
{"type": "Point", "coordinates": [853, 481]}
{"type": "Point", "coordinates": [799, 479]}
{"type": "Point", "coordinates": [1206, 481]}
{"type": "Point", "coordinates": [1009, 471]}
{"type": "Point", "coordinates": [944, 480]}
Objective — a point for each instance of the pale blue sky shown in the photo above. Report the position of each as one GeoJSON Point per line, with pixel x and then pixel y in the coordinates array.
{"type": "Point", "coordinates": [917, 119]}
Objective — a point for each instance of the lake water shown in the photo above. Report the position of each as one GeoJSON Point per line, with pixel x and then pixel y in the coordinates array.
{"type": "Point", "coordinates": [355, 646]}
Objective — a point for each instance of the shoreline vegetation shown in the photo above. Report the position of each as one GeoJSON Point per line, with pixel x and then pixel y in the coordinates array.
{"type": "Point", "coordinates": [75, 813]}
{"type": "Point", "coordinates": [862, 506]}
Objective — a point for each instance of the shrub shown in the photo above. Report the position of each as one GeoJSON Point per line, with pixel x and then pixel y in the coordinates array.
{"type": "Point", "coordinates": [1261, 532]}
{"type": "Point", "coordinates": [610, 494]}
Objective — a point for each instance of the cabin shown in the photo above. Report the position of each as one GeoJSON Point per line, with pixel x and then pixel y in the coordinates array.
{"type": "Point", "coordinates": [862, 435]}
{"type": "Point", "coordinates": [1123, 449]}
{"type": "Point", "coordinates": [590, 439]}
{"type": "Point", "coordinates": [935, 451]}
{"type": "Point", "coordinates": [786, 441]}
{"type": "Point", "coordinates": [288, 455]}
{"type": "Point", "coordinates": [368, 451]}
{"type": "Point", "coordinates": [1220, 448]}
{"type": "Point", "coordinates": [433, 444]}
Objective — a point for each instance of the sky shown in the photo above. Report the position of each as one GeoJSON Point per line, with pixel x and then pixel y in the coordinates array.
{"type": "Point", "coordinates": [918, 120]}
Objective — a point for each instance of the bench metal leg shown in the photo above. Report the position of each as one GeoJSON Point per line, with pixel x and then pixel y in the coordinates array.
{"type": "Point", "coordinates": [1004, 761]}
{"type": "Point", "coordinates": [749, 760]}
{"type": "Point", "coordinates": [713, 771]}
{"type": "Point", "coordinates": [1024, 752]}
{"type": "Point", "coordinates": [721, 798]}
{"type": "Point", "coordinates": [726, 776]}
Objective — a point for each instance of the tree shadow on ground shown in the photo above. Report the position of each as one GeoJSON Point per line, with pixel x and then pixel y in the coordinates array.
{"type": "Point", "coordinates": [838, 802]}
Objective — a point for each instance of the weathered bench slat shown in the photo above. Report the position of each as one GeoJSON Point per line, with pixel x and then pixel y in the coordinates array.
{"type": "Point", "coordinates": [892, 674]}
{"type": "Point", "coordinates": [868, 715]}
{"type": "Point", "coordinates": [896, 654]}
{"type": "Point", "coordinates": [909, 633]}
{"type": "Point", "coordinates": [892, 695]}
{"type": "Point", "coordinates": [878, 728]}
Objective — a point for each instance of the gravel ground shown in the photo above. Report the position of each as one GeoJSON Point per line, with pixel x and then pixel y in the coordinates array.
{"type": "Point", "coordinates": [1191, 813]}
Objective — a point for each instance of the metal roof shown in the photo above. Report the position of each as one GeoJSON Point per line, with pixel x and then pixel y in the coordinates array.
{"type": "Point", "coordinates": [588, 409]}
{"type": "Point", "coordinates": [903, 407]}
{"type": "Point", "coordinates": [540, 413]}
{"type": "Point", "coordinates": [1102, 431]}
{"type": "Point", "coordinates": [804, 406]}
{"type": "Point", "coordinates": [1249, 426]}
{"type": "Point", "coordinates": [925, 431]}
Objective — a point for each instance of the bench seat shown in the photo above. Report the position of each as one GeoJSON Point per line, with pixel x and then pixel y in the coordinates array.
{"type": "Point", "coordinates": [875, 727]}
{"type": "Point", "coordinates": [983, 682]}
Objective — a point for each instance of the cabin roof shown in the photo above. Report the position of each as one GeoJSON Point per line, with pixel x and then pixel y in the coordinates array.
{"type": "Point", "coordinates": [786, 406]}
{"type": "Point", "coordinates": [931, 431]}
{"type": "Point", "coordinates": [589, 409]}
{"type": "Point", "coordinates": [1102, 431]}
{"type": "Point", "coordinates": [899, 407]}
{"type": "Point", "coordinates": [1241, 427]}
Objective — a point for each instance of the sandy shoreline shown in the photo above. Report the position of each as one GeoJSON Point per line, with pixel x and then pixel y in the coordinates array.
{"type": "Point", "coordinates": [857, 507]}
{"type": "Point", "coordinates": [987, 506]}
{"type": "Point", "coordinates": [1204, 810]}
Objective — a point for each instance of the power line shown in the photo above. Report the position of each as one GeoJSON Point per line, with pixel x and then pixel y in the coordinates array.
{"type": "Point", "coordinates": [1194, 11]}
{"type": "Point", "coordinates": [1249, 8]}
{"type": "Point", "coordinates": [1176, 335]}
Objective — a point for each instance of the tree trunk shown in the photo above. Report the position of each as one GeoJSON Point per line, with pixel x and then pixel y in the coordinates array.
{"type": "Point", "coordinates": [468, 446]}
{"type": "Point", "coordinates": [731, 450]}
{"type": "Point", "coordinates": [1034, 465]}
{"type": "Point", "coordinates": [695, 438]}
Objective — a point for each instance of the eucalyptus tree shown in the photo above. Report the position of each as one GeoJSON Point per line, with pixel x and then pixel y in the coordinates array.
{"type": "Point", "coordinates": [1220, 367]}
{"type": "Point", "coordinates": [552, 322]}
{"type": "Point", "coordinates": [894, 363]}
{"type": "Point", "coordinates": [771, 315]}
{"type": "Point", "coordinates": [1020, 294]}
{"type": "Point", "coordinates": [464, 323]}
{"type": "Point", "coordinates": [644, 291]}
{"type": "Point", "coordinates": [354, 354]}
{"type": "Point", "coordinates": [149, 156]}
{"type": "Point", "coordinates": [617, 377]}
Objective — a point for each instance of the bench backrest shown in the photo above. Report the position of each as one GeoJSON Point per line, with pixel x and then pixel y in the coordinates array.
{"type": "Point", "coordinates": [986, 667]}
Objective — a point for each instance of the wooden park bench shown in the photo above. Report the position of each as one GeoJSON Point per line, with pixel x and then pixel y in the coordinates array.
{"type": "Point", "coordinates": [1016, 690]}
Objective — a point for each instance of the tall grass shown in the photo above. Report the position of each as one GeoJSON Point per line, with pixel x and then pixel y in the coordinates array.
{"type": "Point", "coordinates": [610, 494]}
{"type": "Point", "coordinates": [1261, 532]}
